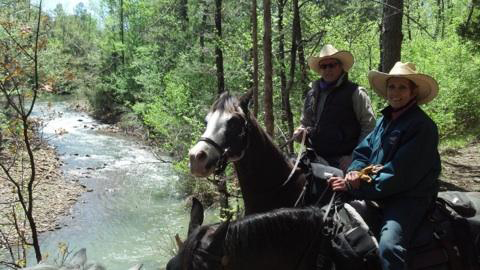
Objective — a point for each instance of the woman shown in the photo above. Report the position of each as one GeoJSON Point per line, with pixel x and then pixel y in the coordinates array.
{"type": "Point", "coordinates": [403, 147]}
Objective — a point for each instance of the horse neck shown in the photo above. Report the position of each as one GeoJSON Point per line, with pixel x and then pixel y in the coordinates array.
{"type": "Point", "coordinates": [275, 245]}
{"type": "Point", "coordinates": [261, 173]}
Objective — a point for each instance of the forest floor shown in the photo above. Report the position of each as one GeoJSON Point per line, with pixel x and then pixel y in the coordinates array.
{"type": "Point", "coordinates": [461, 168]}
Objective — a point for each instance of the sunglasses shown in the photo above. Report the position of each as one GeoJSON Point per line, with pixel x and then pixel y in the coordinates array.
{"type": "Point", "coordinates": [331, 65]}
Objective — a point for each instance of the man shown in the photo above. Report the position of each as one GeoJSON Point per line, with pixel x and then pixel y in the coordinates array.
{"type": "Point", "coordinates": [337, 113]}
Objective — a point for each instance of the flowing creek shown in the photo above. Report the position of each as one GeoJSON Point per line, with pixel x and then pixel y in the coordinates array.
{"type": "Point", "coordinates": [131, 210]}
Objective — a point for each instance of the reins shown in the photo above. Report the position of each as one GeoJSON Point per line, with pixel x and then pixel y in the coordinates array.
{"type": "Point", "coordinates": [319, 231]}
{"type": "Point", "coordinates": [297, 161]}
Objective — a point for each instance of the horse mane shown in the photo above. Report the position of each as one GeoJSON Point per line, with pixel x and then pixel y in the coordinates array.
{"type": "Point", "coordinates": [272, 229]}
{"type": "Point", "coordinates": [225, 103]}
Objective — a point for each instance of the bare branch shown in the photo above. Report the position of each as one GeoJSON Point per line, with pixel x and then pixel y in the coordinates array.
{"type": "Point", "coordinates": [16, 42]}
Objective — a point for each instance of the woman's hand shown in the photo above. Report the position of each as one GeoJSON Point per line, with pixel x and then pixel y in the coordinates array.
{"type": "Point", "coordinates": [353, 177]}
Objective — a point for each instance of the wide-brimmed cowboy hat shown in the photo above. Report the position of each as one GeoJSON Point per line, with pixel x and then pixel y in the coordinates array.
{"type": "Point", "coordinates": [329, 52]}
{"type": "Point", "coordinates": [427, 87]}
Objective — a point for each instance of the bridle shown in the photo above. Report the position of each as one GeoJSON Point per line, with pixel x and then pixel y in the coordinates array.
{"type": "Point", "coordinates": [225, 150]}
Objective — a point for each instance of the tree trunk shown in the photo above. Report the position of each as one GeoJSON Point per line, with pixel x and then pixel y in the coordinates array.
{"type": "Point", "coordinates": [122, 34]}
{"type": "Point", "coordinates": [391, 38]}
{"type": "Point", "coordinates": [409, 31]}
{"type": "Point", "coordinates": [222, 184]}
{"type": "Point", "coordinates": [183, 13]}
{"type": "Point", "coordinates": [268, 69]}
{"type": "Point", "coordinates": [255, 57]}
{"type": "Point", "coordinates": [281, 60]}
{"type": "Point", "coordinates": [297, 29]}
{"type": "Point", "coordinates": [203, 32]}
{"type": "Point", "coordinates": [218, 49]}
{"type": "Point", "coordinates": [439, 27]}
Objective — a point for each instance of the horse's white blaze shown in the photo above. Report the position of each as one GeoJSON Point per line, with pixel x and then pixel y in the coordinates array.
{"type": "Point", "coordinates": [203, 156]}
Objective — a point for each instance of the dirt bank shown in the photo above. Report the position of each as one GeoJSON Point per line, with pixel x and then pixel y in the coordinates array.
{"type": "Point", "coordinates": [53, 195]}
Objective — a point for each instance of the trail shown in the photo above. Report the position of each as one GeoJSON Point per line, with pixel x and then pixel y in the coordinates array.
{"type": "Point", "coordinates": [461, 168]}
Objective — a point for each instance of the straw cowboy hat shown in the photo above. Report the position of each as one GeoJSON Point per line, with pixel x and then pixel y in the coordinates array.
{"type": "Point", "coordinates": [427, 86]}
{"type": "Point", "coordinates": [329, 52]}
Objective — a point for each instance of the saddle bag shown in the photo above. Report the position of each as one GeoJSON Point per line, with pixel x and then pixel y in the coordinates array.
{"type": "Point", "coordinates": [354, 247]}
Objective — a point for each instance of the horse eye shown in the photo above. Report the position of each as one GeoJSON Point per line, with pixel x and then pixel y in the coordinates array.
{"type": "Point", "coordinates": [234, 125]}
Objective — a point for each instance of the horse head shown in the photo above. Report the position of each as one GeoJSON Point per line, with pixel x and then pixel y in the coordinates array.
{"type": "Point", "coordinates": [263, 172]}
{"type": "Point", "coordinates": [225, 138]}
{"type": "Point", "coordinates": [204, 246]}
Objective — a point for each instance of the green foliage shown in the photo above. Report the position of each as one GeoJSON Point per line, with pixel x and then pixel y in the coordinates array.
{"type": "Point", "coordinates": [102, 101]}
{"type": "Point", "coordinates": [163, 70]}
{"type": "Point", "coordinates": [470, 28]}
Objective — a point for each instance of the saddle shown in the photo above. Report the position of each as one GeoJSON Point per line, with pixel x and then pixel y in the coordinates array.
{"type": "Point", "coordinates": [448, 238]}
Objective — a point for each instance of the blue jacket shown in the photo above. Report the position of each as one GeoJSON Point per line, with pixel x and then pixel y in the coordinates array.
{"type": "Point", "coordinates": [407, 149]}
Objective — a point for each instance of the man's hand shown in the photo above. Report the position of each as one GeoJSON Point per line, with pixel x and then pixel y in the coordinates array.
{"type": "Point", "coordinates": [298, 133]}
{"type": "Point", "coordinates": [351, 181]}
{"type": "Point", "coordinates": [338, 183]}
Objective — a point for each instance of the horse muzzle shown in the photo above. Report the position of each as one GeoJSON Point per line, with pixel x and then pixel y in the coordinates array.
{"type": "Point", "coordinates": [202, 160]}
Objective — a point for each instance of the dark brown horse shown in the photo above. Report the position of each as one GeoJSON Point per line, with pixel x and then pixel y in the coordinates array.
{"type": "Point", "coordinates": [280, 239]}
{"type": "Point", "coordinates": [301, 238]}
{"type": "Point", "coordinates": [233, 135]}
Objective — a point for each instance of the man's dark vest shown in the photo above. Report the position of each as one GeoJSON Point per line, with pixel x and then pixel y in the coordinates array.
{"type": "Point", "coordinates": [337, 131]}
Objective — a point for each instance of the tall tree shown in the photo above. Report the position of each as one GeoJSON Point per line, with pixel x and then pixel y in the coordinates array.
{"type": "Point", "coordinates": [218, 47]}
{"type": "Point", "coordinates": [203, 31]}
{"type": "Point", "coordinates": [391, 34]}
{"type": "Point", "coordinates": [268, 69]}
{"type": "Point", "coordinates": [122, 31]}
{"type": "Point", "coordinates": [470, 29]}
{"type": "Point", "coordinates": [297, 31]}
{"type": "Point", "coordinates": [255, 57]}
{"type": "Point", "coordinates": [20, 89]}
{"type": "Point", "coordinates": [440, 24]}
{"type": "Point", "coordinates": [222, 183]}
{"type": "Point", "coordinates": [183, 13]}
{"type": "Point", "coordinates": [283, 79]}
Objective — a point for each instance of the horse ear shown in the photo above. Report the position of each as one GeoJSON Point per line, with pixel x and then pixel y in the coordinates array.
{"type": "Point", "coordinates": [196, 215]}
{"type": "Point", "coordinates": [245, 100]}
{"type": "Point", "coordinates": [218, 239]}
{"type": "Point", "coordinates": [178, 241]}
